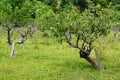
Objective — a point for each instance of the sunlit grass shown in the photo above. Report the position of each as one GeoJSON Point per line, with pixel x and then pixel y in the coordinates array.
{"type": "Point", "coordinates": [45, 59]}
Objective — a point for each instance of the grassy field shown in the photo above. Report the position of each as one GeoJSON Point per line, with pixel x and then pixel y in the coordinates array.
{"type": "Point", "coordinates": [45, 59]}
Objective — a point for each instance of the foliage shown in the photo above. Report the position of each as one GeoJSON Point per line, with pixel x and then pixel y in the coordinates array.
{"type": "Point", "coordinates": [89, 25]}
{"type": "Point", "coordinates": [15, 12]}
{"type": "Point", "coordinates": [44, 16]}
{"type": "Point", "coordinates": [58, 5]}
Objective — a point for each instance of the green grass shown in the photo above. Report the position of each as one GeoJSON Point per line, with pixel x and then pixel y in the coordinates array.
{"type": "Point", "coordinates": [45, 59]}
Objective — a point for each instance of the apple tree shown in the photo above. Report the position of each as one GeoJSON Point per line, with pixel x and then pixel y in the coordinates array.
{"type": "Point", "coordinates": [81, 29]}
{"type": "Point", "coordinates": [13, 14]}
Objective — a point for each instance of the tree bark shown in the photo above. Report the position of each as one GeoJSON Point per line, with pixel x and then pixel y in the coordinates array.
{"type": "Point", "coordinates": [98, 58]}
{"type": "Point", "coordinates": [9, 37]}
{"type": "Point", "coordinates": [11, 45]}
{"type": "Point", "coordinates": [85, 54]}
{"type": "Point", "coordinates": [12, 50]}
{"type": "Point", "coordinates": [91, 61]}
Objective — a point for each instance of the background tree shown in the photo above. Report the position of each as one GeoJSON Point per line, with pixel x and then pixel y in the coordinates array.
{"type": "Point", "coordinates": [15, 13]}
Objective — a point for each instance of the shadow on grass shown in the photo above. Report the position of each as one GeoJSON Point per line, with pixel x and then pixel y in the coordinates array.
{"type": "Point", "coordinates": [75, 65]}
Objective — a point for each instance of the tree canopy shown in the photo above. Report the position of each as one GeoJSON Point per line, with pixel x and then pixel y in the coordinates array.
{"type": "Point", "coordinates": [16, 12]}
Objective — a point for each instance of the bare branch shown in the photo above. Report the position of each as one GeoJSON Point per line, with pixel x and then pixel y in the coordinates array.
{"type": "Point", "coordinates": [20, 33]}
{"type": "Point", "coordinates": [23, 37]}
{"type": "Point", "coordinates": [26, 33]}
{"type": "Point", "coordinates": [74, 45]}
{"type": "Point", "coordinates": [32, 28]}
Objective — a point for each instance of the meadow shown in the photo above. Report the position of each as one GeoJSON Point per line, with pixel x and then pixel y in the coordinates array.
{"type": "Point", "coordinates": [45, 59]}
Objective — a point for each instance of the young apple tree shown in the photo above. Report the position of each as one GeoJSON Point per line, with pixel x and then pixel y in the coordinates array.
{"type": "Point", "coordinates": [13, 14]}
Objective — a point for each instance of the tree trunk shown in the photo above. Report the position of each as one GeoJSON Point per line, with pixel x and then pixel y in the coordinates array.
{"type": "Point", "coordinates": [12, 50]}
{"type": "Point", "coordinates": [11, 45]}
{"type": "Point", "coordinates": [91, 61]}
{"type": "Point", "coordinates": [85, 54]}
{"type": "Point", "coordinates": [9, 37]}
{"type": "Point", "coordinates": [98, 58]}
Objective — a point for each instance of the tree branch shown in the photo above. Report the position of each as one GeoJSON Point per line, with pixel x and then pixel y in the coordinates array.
{"type": "Point", "coordinates": [20, 33]}
{"type": "Point", "coordinates": [77, 42]}
{"type": "Point", "coordinates": [23, 37]}
{"type": "Point", "coordinates": [73, 45]}
{"type": "Point", "coordinates": [9, 36]}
